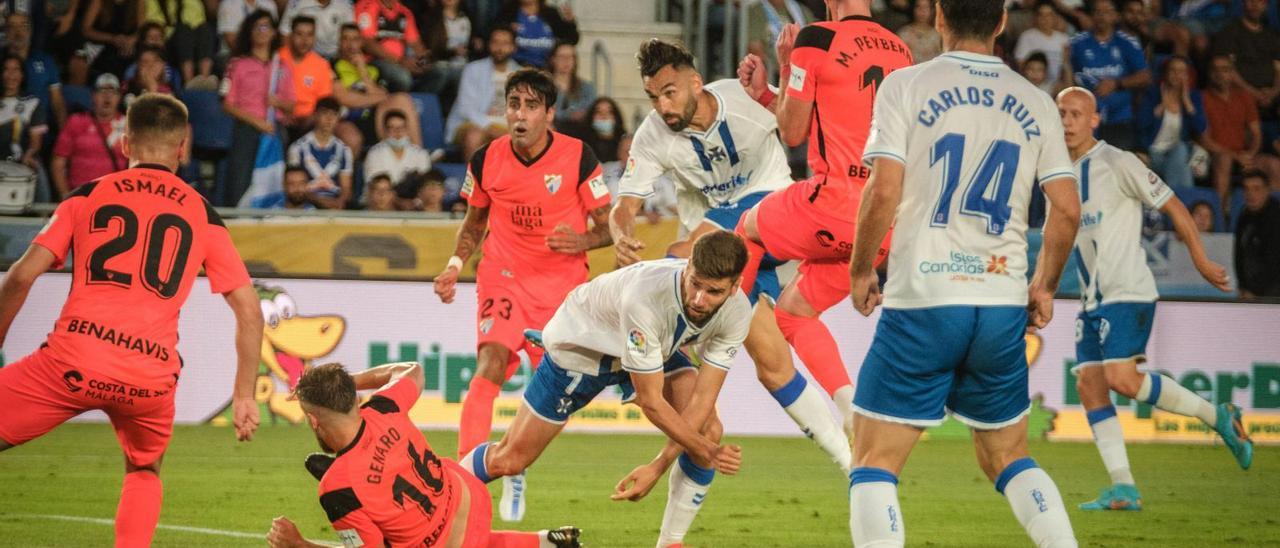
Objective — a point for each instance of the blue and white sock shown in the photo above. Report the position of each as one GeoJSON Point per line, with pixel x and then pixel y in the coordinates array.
{"type": "Point", "coordinates": [1165, 393]}
{"type": "Point", "coordinates": [474, 462]}
{"type": "Point", "coordinates": [1109, 438]}
{"type": "Point", "coordinates": [1036, 503]}
{"type": "Point", "coordinates": [806, 406]}
{"type": "Point", "coordinates": [875, 518]}
{"type": "Point", "coordinates": [686, 489]}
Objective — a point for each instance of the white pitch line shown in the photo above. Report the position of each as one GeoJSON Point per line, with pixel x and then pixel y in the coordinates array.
{"type": "Point", "coordinates": [183, 528]}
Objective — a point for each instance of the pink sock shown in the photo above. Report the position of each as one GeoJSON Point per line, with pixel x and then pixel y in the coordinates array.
{"type": "Point", "coordinates": [816, 348]}
{"type": "Point", "coordinates": [514, 539]}
{"type": "Point", "coordinates": [477, 414]}
{"type": "Point", "coordinates": [139, 509]}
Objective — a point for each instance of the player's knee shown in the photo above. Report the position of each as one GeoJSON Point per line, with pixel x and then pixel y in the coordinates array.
{"type": "Point", "coordinates": [153, 467]}
{"type": "Point", "coordinates": [1125, 380]}
{"type": "Point", "coordinates": [491, 363]}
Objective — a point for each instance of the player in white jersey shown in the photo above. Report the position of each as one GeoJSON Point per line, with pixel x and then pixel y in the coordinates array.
{"type": "Point", "coordinates": [1118, 294]}
{"type": "Point", "coordinates": [627, 328]}
{"type": "Point", "coordinates": [956, 145]}
{"type": "Point", "coordinates": [722, 150]}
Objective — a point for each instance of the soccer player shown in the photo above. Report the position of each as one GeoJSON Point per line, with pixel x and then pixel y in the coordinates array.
{"type": "Point", "coordinates": [956, 145]}
{"type": "Point", "coordinates": [831, 82]}
{"type": "Point", "coordinates": [138, 239]}
{"type": "Point", "coordinates": [1118, 295]}
{"type": "Point", "coordinates": [386, 487]}
{"type": "Point", "coordinates": [627, 327]}
{"type": "Point", "coordinates": [532, 191]}
{"type": "Point", "coordinates": [722, 149]}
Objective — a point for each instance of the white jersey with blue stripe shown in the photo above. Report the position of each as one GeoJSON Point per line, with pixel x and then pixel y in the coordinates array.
{"type": "Point", "coordinates": [633, 319]}
{"type": "Point", "coordinates": [739, 154]}
{"type": "Point", "coordinates": [1114, 187]}
{"type": "Point", "coordinates": [974, 136]}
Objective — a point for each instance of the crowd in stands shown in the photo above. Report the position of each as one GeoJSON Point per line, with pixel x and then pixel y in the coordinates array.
{"type": "Point", "coordinates": [378, 104]}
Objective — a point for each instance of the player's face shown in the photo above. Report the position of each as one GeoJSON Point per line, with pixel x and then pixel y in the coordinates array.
{"type": "Point", "coordinates": [672, 93]}
{"type": "Point", "coordinates": [528, 117]}
{"type": "Point", "coordinates": [303, 38]}
{"type": "Point", "coordinates": [703, 296]}
{"type": "Point", "coordinates": [1079, 118]}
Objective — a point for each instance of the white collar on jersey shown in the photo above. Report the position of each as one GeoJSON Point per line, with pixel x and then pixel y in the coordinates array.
{"type": "Point", "coordinates": [970, 57]}
{"type": "Point", "coordinates": [1096, 146]}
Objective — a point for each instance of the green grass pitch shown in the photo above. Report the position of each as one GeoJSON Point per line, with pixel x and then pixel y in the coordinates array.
{"type": "Point", "coordinates": [786, 495]}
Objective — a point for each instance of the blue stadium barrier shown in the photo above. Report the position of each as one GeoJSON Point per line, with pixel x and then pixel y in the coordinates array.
{"type": "Point", "coordinates": [431, 118]}
{"type": "Point", "coordinates": [1190, 196]}
{"type": "Point", "coordinates": [78, 98]}
{"type": "Point", "coordinates": [211, 126]}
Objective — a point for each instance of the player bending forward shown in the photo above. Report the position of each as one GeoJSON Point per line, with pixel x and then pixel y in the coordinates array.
{"type": "Point", "coordinates": [956, 145]}
{"type": "Point", "coordinates": [722, 149]}
{"type": "Point", "coordinates": [138, 238]}
{"type": "Point", "coordinates": [626, 327]}
{"type": "Point", "coordinates": [386, 487]}
{"type": "Point", "coordinates": [1118, 297]}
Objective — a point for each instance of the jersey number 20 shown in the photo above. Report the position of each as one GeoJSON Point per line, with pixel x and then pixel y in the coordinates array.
{"type": "Point", "coordinates": [153, 257]}
{"type": "Point", "coordinates": [999, 165]}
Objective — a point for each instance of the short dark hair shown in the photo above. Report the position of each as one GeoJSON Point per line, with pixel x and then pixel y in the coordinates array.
{"type": "Point", "coordinates": [295, 168]}
{"type": "Point", "coordinates": [381, 177]}
{"type": "Point", "coordinates": [536, 81]}
{"type": "Point", "coordinates": [502, 28]}
{"type": "Point", "coordinates": [159, 51]}
{"type": "Point", "coordinates": [1037, 57]}
{"type": "Point", "coordinates": [348, 26]}
{"type": "Point", "coordinates": [972, 18]}
{"type": "Point", "coordinates": [329, 104]}
{"type": "Point", "coordinates": [719, 254]}
{"type": "Point", "coordinates": [328, 386]}
{"type": "Point", "coordinates": [394, 113]}
{"type": "Point", "coordinates": [302, 20]}
{"type": "Point", "coordinates": [656, 53]}
{"type": "Point", "coordinates": [1093, 5]}
{"type": "Point", "coordinates": [1253, 173]}
{"type": "Point", "coordinates": [156, 117]}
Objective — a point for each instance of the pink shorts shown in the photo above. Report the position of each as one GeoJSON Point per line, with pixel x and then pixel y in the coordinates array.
{"type": "Point", "coordinates": [504, 310]}
{"type": "Point", "coordinates": [37, 393]}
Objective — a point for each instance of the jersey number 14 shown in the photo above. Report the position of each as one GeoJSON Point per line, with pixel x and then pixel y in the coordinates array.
{"type": "Point", "coordinates": [999, 165]}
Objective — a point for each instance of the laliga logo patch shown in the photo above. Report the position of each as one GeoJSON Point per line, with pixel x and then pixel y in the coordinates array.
{"type": "Point", "coordinates": [598, 187]}
{"type": "Point", "coordinates": [468, 184]}
{"type": "Point", "coordinates": [797, 78]}
{"type": "Point", "coordinates": [636, 342]}
{"type": "Point", "coordinates": [631, 168]}
{"type": "Point", "coordinates": [552, 182]}
{"type": "Point", "coordinates": [72, 379]}
{"type": "Point", "coordinates": [486, 324]}
{"type": "Point", "coordinates": [1152, 178]}
{"type": "Point", "coordinates": [998, 265]}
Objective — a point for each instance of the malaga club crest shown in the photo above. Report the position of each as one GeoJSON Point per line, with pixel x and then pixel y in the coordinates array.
{"type": "Point", "coordinates": [552, 182]}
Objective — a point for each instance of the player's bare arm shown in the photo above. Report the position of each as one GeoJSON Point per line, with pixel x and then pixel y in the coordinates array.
{"type": "Point", "coordinates": [18, 281]}
{"type": "Point", "coordinates": [244, 305]}
{"type": "Point", "coordinates": [655, 407]}
{"type": "Point", "coordinates": [880, 198]}
{"type": "Point", "coordinates": [1060, 226]}
{"type": "Point", "coordinates": [284, 534]}
{"type": "Point", "coordinates": [622, 226]}
{"type": "Point", "coordinates": [564, 240]}
{"type": "Point", "coordinates": [1185, 227]}
{"type": "Point", "coordinates": [794, 114]}
{"type": "Point", "coordinates": [470, 236]}
{"type": "Point", "coordinates": [387, 374]}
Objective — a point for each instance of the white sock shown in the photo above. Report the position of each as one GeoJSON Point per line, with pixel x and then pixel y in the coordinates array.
{"type": "Point", "coordinates": [474, 462]}
{"type": "Point", "coordinates": [1037, 504]}
{"type": "Point", "coordinates": [875, 518]}
{"type": "Point", "coordinates": [1109, 438]}
{"type": "Point", "coordinates": [806, 406]}
{"type": "Point", "coordinates": [687, 487]}
{"type": "Point", "coordinates": [843, 397]}
{"type": "Point", "coordinates": [1166, 394]}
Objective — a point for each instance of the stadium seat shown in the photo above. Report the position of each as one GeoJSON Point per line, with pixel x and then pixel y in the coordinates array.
{"type": "Point", "coordinates": [78, 98]}
{"type": "Point", "coordinates": [432, 120]}
{"type": "Point", "coordinates": [1236, 207]}
{"type": "Point", "coordinates": [1190, 196]}
{"type": "Point", "coordinates": [453, 176]}
{"type": "Point", "coordinates": [211, 125]}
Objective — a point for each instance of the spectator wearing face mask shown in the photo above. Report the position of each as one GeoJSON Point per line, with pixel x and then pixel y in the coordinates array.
{"type": "Point", "coordinates": [396, 155]}
{"type": "Point", "coordinates": [606, 129]}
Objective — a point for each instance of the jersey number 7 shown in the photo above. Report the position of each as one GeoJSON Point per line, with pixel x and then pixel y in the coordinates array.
{"type": "Point", "coordinates": [158, 235]}
{"type": "Point", "coordinates": [999, 165]}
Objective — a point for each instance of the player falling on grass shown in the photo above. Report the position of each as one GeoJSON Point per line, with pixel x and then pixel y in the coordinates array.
{"type": "Point", "coordinates": [831, 81]}
{"type": "Point", "coordinates": [627, 328]}
{"type": "Point", "coordinates": [956, 145]}
{"type": "Point", "coordinates": [138, 238]}
{"type": "Point", "coordinates": [1118, 295]}
{"type": "Point", "coordinates": [722, 149]}
{"type": "Point", "coordinates": [532, 191]}
{"type": "Point", "coordinates": [386, 487]}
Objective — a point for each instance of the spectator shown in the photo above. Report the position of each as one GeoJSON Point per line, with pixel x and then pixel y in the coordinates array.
{"type": "Point", "coordinates": [1171, 115]}
{"type": "Point", "coordinates": [330, 16]}
{"type": "Point", "coordinates": [312, 76]}
{"type": "Point", "coordinates": [41, 71]}
{"type": "Point", "coordinates": [1110, 63]}
{"type": "Point", "coordinates": [151, 35]}
{"type": "Point", "coordinates": [191, 39]}
{"type": "Point", "coordinates": [1257, 249]}
{"type": "Point", "coordinates": [606, 131]}
{"type": "Point", "coordinates": [1255, 50]}
{"type": "Point", "coordinates": [89, 145]}
{"type": "Point", "coordinates": [924, 42]}
{"type": "Point", "coordinates": [367, 102]}
{"type": "Point", "coordinates": [1035, 68]}
{"type": "Point", "coordinates": [294, 195]}
{"type": "Point", "coordinates": [1203, 18]}
{"type": "Point", "coordinates": [148, 76]}
{"type": "Point", "coordinates": [766, 20]}
{"type": "Point", "coordinates": [479, 115]}
{"type": "Point", "coordinates": [448, 32]}
{"type": "Point", "coordinates": [661, 203]}
{"type": "Point", "coordinates": [391, 37]}
{"type": "Point", "coordinates": [231, 14]}
{"type": "Point", "coordinates": [246, 97]}
{"type": "Point", "coordinates": [421, 192]}
{"type": "Point", "coordinates": [574, 97]}
{"type": "Point", "coordinates": [327, 161]}
{"type": "Point", "coordinates": [1154, 34]}
{"type": "Point", "coordinates": [22, 122]}
{"type": "Point", "coordinates": [396, 155]}
{"type": "Point", "coordinates": [382, 195]}
{"type": "Point", "coordinates": [1235, 133]}
{"type": "Point", "coordinates": [1045, 38]}
{"type": "Point", "coordinates": [110, 30]}
{"type": "Point", "coordinates": [1203, 215]}
{"type": "Point", "coordinates": [538, 28]}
